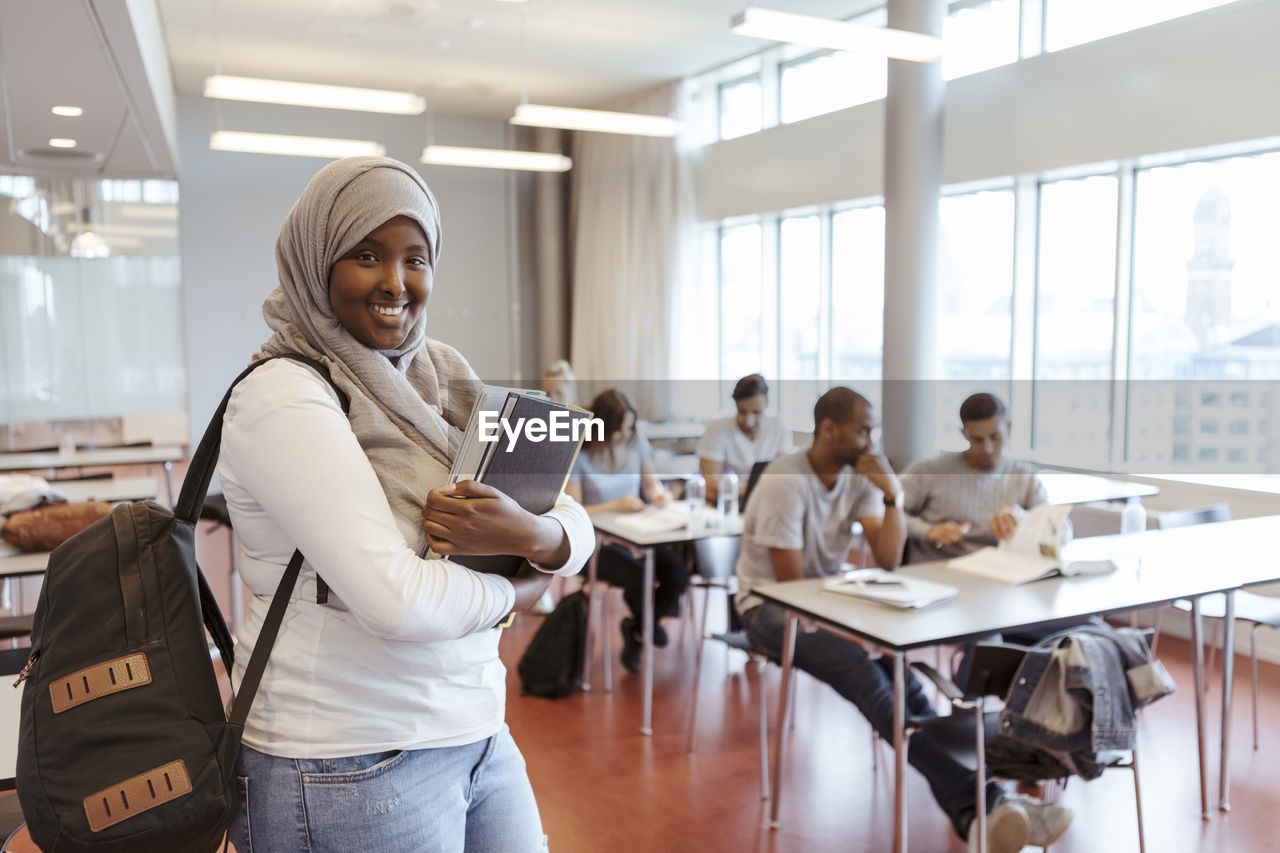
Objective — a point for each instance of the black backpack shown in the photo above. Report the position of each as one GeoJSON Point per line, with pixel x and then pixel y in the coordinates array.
{"type": "Point", "coordinates": [552, 665]}
{"type": "Point", "coordinates": [124, 744]}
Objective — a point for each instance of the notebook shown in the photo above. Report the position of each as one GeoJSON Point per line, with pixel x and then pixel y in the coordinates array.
{"type": "Point", "coordinates": [890, 588]}
{"type": "Point", "coordinates": [651, 520]}
{"type": "Point", "coordinates": [531, 470]}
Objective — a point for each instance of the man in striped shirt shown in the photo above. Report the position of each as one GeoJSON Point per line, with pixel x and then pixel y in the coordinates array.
{"type": "Point", "coordinates": [959, 502]}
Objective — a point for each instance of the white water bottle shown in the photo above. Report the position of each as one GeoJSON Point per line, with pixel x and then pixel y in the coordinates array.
{"type": "Point", "coordinates": [695, 492]}
{"type": "Point", "coordinates": [1133, 518]}
{"type": "Point", "coordinates": [727, 499]}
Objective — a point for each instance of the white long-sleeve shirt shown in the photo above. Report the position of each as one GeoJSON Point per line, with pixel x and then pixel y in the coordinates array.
{"type": "Point", "coordinates": [403, 656]}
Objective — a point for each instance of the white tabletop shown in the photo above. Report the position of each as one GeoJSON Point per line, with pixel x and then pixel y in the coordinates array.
{"type": "Point", "coordinates": [110, 490]}
{"type": "Point", "coordinates": [1179, 563]}
{"type": "Point", "coordinates": [1066, 487]}
{"type": "Point", "coordinates": [85, 458]}
{"type": "Point", "coordinates": [672, 430]}
{"type": "Point", "coordinates": [606, 522]}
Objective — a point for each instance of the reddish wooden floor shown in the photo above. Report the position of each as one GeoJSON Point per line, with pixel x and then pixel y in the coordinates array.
{"type": "Point", "coordinates": [604, 786]}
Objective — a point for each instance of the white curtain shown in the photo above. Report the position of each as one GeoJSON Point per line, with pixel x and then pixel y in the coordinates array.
{"type": "Point", "coordinates": [630, 218]}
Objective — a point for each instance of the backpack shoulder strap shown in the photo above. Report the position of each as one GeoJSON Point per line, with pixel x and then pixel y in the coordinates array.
{"type": "Point", "coordinates": [195, 486]}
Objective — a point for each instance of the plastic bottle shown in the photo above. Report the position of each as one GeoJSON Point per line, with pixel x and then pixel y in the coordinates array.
{"type": "Point", "coordinates": [727, 499]}
{"type": "Point", "coordinates": [695, 492]}
{"type": "Point", "coordinates": [1133, 518]}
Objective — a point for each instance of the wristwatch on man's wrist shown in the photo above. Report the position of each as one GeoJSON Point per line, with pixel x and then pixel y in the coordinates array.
{"type": "Point", "coordinates": [894, 499]}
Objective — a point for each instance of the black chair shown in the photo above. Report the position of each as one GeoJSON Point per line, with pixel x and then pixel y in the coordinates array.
{"type": "Point", "coordinates": [965, 732]}
{"type": "Point", "coordinates": [753, 478]}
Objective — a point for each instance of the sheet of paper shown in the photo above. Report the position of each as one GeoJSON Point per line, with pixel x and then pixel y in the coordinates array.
{"type": "Point", "coordinates": [1040, 532]}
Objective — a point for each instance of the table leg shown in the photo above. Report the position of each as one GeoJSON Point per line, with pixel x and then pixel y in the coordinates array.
{"type": "Point", "coordinates": [168, 481]}
{"type": "Point", "coordinates": [646, 725]}
{"type": "Point", "coordinates": [899, 753]}
{"type": "Point", "coordinates": [784, 716]}
{"type": "Point", "coordinates": [1228, 683]}
{"type": "Point", "coordinates": [1197, 681]}
{"type": "Point", "coordinates": [592, 623]}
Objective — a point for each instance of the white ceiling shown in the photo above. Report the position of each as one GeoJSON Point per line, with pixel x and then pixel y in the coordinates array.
{"type": "Point", "coordinates": [473, 57]}
{"type": "Point", "coordinates": [77, 53]}
{"type": "Point", "coordinates": [468, 57]}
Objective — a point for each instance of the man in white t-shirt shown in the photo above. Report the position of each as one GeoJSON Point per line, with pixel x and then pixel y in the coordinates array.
{"type": "Point", "coordinates": [799, 524]}
{"type": "Point", "coordinates": [741, 441]}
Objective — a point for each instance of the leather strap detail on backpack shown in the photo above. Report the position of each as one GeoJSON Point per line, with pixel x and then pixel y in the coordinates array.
{"type": "Point", "coordinates": [136, 795]}
{"type": "Point", "coordinates": [101, 679]}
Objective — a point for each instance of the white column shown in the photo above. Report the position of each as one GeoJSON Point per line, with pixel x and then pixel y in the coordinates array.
{"type": "Point", "coordinates": [912, 178]}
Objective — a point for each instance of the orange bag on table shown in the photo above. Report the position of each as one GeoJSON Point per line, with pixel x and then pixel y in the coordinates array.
{"type": "Point", "coordinates": [46, 527]}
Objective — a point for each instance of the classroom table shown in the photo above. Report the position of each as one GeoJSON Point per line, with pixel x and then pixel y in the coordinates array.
{"type": "Point", "coordinates": [1068, 487]}
{"type": "Point", "coordinates": [98, 457]}
{"type": "Point", "coordinates": [608, 530]}
{"type": "Point", "coordinates": [1181, 563]}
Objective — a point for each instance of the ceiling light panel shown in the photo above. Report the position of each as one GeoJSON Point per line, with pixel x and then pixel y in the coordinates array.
{"type": "Point", "coordinates": [495, 158]}
{"type": "Point", "coordinates": [601, 121]}
{"type": "Point", "coordinates": [313, 95]}
{"type": "Point", "coordinates": [297, 146]}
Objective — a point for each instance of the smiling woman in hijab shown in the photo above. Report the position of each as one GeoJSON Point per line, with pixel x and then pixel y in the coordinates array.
{"type": "Point", "coordinates": [379, 721]}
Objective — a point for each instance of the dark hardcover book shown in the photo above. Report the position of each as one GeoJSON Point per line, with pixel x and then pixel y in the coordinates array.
{"type": "Point", "coordinates": [532, 472]}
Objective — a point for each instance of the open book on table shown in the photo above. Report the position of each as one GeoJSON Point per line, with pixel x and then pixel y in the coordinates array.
{"type": "Point", "coordinates": [1037, 550]}
{"type": "Point", "coordinates": [889, 588]}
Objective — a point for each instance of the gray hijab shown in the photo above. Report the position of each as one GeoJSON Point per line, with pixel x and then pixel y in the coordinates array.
{"type": "Point", "coordinates": [408, 405]}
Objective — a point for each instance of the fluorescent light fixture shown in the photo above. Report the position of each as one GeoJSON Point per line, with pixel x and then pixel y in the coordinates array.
{"type": "Point", "coordinates": [602, 121]}
{"type": "Point", "coordinates": [837, 35]}
{"type": "Point", "coordinates": [89, 245]}
{"type": "Point", "coordinates": [71, 112]}
{"type": "Point", "coordinates": [495, 158]}
{"type": "Point", "coordinates": [299, 146]}
{"type": "Point", "coordinates": [313, 95]}
{"type": "Point", "coordinates": [59, 142]}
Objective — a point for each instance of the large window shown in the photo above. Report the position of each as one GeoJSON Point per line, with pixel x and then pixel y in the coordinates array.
{"type": "Point", "coordinates": [828, 82]}
{"type": "Point", "coordinates": [857, 295]}
{"type": "Point", "coordinates": [740, 107]}
{"type": "Point", "coordinates": [979, 36]}
{"type": "Point", "coordinates": [1072, 22]}
{"type": "Point", "coordinates": [1074, 320]}
{"type": "Point", "coordinates": [800, 313]}
{"type": "Point", "coordinates": [1141, 303]}
{"type": "Point", "coordinates": [741, 300]}
{"type": "Point", "coordinates": [975, 289]}
{"type": "Point", "coordinates": [1204, 294]}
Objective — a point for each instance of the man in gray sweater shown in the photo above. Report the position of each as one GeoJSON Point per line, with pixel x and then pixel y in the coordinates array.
{"type": "Point", "coordinates": [959, 502]}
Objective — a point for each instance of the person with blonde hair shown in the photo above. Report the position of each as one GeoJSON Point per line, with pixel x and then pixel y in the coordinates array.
{"type": "Point", "coordinates": [559, 382]}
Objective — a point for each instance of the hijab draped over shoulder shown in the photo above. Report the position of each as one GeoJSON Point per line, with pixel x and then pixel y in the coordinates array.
{"type": "Point", "coordinates": [408, 405]}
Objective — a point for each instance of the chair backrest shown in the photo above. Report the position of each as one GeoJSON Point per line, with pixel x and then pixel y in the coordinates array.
{"type": "Point", "coordinates": [1186, 517]}
{"type": "Point", "coordinates": [993, 666]}
{"type": "Point", "coordinates": [717, 556]}
{"type": "Point", "coordinates": [992, 669]}
{"type": "Point", "coordinates": [753, 478]}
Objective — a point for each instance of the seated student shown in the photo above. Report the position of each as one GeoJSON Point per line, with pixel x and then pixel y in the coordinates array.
{"type": "Point", "coordinates": [798, 524]}
{"type": "Point", "coordinates": [558, 382]}
{"type": "Point", "coordinates": [741, 441]}
{"type": "Point", "coordinates": [616, 475]}
{"type": "Point", "coordinates": [959, 502]}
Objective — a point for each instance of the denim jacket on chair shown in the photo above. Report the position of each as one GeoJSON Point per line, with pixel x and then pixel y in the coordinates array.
{"type": "Point", "coordinates": [1072, 697]}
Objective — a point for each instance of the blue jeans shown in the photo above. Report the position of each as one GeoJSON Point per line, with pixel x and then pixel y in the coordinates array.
{"type": "Point", "coordinates": [461, 799]}
{"type": "Point", "coordinates": [868, 684]}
